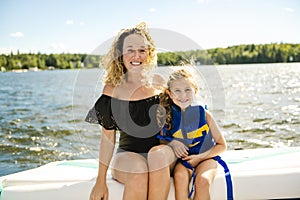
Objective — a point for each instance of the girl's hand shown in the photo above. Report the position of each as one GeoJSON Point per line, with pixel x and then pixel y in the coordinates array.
{"type": "Point", "coordinates": [99, 192]}
{"type": "Point", "coordinates": [179, 148]}
{"type": "Point", "coordinates": [193, 160]}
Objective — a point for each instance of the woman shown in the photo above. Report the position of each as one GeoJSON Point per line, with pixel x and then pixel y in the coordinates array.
{"type": "Point", "coordinates": [128, 104]}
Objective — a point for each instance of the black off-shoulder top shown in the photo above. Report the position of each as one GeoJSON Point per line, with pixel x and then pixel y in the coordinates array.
{"type": "Point", "coordinates": [135, 120]}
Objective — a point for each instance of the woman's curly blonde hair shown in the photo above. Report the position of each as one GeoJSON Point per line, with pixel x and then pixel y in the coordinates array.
{"type": "Point", "coordinates": [113, 61]}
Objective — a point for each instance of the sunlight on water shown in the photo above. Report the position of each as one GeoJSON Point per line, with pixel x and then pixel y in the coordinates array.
{"type": "Point", "coordinates": [261, 105]}
{"type": "Point", "coordinates": [42, 113]}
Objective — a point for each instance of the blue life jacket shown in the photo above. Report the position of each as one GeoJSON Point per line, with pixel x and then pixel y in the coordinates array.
{"type": "Point", "coordinates": [190, 127]}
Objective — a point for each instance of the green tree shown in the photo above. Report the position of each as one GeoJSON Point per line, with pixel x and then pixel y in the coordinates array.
{"type": "Point", "coordinates": [3, 62]}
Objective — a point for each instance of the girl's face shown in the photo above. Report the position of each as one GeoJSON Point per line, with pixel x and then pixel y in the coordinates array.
{"type": "Point", "coordinates": [135, 53]}
{"type": "Point", "coordinates": [182, 93]}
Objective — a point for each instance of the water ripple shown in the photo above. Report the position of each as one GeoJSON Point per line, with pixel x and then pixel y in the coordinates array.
{"type": "Point", "coordinates": [42, 113]}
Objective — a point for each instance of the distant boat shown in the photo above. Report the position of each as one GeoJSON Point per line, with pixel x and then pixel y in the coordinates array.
{"type": "Point", "coordinates": [33, 69]}
{"type": "Point", "coordinates": [19, 70]}
{"type": "Point", "coordinates": [51, 68]}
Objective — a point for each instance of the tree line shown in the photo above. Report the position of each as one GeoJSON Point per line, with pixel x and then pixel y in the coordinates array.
{"type": "Point", "coordinates": [240, 54]}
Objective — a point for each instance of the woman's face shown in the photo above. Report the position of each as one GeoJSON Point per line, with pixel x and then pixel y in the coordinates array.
{"type": "Point", "coordinates": [182, 93]}
{"type": "Point", "coordinates": [135, 53]}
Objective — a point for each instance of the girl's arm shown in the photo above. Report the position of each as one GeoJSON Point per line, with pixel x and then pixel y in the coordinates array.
{"type": "Point", "coordinates": [216, 133]}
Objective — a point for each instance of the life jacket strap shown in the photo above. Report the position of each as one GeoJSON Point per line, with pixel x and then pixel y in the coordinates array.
{"type": "Point", "coordinates": [227, 177]}
{"type": "Point", "coordinates": [193, 184]}
{"type": "Point", "coordinates": [187, 165]}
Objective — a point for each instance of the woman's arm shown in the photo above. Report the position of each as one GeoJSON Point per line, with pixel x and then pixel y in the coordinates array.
{"type": "Point", "coordinates": [107, 144]}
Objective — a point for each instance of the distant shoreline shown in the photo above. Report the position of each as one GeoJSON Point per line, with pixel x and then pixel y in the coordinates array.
{"type": "Point", "coordinates": [223, 65]}
{"type": "Point", "coordinates": [240, 54]}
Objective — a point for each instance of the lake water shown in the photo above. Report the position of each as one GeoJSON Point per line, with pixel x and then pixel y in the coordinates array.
{"type": "Point", "coordinates": [42, 113]}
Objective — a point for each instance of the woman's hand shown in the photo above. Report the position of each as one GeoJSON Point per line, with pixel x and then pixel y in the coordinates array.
{"type": "Point", "coordinates": [99, 192]}
{"type": "Point", "coordinates": [179, 148]}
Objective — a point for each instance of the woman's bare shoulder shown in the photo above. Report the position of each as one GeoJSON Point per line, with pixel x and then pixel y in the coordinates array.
{"type": "Point", "coordinates": [108, 90]}
{"type": "Point", "coordinates": [152, 91]}
{"type": "Point", "coordinates": [158, 82]}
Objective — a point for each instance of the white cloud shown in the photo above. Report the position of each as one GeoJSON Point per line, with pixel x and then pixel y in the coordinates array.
{"type": "Point", "coordinates": [69, 22]}
{"type": "Point", "coordinates": [72, 22]}
{"type": "Point", "coordinates": [289, 9]}
{"type": "Point", "coordinates": [57, 46]}
{"type": "Point", "coordinates": [17, 34]}
{"type": "Point", "coordinates": [15, 50]}
{"type": "Point", "coordinates": [53, 48]}
{"type": "Point", "coordinates": [7, 51]}
{"type": "Point", "coordinates": [152, 10]}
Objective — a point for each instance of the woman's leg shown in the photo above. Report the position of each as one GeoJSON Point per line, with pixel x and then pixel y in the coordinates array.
{"type": "Point", "coordinates": [131, 169]}
{"type": "Point", "coordinates": [181, 181]}
{"type": "Point", "coordinates": [206, 172]}
{"type": "Point", "coordinates": [161, 161]}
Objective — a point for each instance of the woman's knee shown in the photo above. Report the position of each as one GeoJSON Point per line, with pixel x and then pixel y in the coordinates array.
{"type": "Point", "coordinates": [139, 180]}
{"type": "Point", "coordinates": [160, 156]}
{"type": "Point", "coordinates": [130, 163]}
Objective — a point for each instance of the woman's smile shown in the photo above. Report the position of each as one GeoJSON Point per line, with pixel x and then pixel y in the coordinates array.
{"type": "Point", "coordinates": [134, 63]}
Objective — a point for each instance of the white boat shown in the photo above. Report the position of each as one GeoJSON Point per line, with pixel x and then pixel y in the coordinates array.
{"type": "Point", "coordinates": [267, 173]}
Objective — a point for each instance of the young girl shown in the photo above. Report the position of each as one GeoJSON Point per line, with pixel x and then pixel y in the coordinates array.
{"type": "Point", "coordinates": [194, 136]}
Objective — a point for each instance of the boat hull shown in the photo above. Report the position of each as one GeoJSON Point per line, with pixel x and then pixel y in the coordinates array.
{"type": "Point", "coordinates": [270, 173]}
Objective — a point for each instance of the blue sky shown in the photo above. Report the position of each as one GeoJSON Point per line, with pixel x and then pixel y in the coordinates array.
{"type": "Point", "coordinates": [79, 26]}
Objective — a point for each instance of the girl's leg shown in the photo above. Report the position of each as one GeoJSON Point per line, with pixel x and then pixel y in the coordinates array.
{"type": "Point", "coordinates": [161, 161]}
{"type": "Point", "coordinates": [206, 172]}
{"type": "Point", "coordinates": [131, 169]}
{"type": "Point", "coordinates": [181, 181]}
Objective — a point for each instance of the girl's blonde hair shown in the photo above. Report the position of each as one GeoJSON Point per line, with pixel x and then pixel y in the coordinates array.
{"type": "Point", "coordinates": [166, 101]}
{"type": "Point", "coordinates": [113, 61]}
